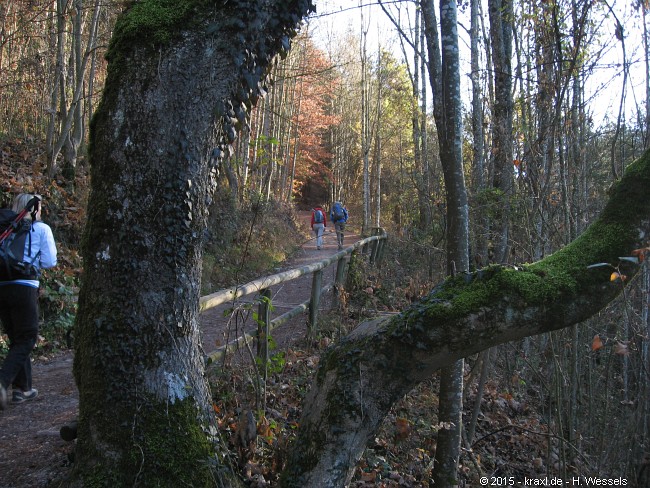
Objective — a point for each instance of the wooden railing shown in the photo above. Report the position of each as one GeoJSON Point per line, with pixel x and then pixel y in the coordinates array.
{"type": "Point", "coordinates": [373, 247]}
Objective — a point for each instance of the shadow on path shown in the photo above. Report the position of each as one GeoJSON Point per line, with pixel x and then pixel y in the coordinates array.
{"type": "Point", "coordinates": [31, 450]}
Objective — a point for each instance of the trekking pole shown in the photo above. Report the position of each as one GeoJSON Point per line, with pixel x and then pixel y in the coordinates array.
{"type": "Point", "coordinates": [14, 224]}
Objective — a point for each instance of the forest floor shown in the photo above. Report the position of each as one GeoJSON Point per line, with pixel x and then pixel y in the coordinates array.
{"type": "Point", "coordinates": [513, 438]}
{"type": "Point", "coordinates": [34, 455]}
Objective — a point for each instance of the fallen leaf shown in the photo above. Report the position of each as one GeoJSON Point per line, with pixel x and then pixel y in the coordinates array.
{"type": "Point", "coordinates": [596, 343]}
{"type": "Point", "coordinates": [621, 349]}
{"type": "Point", "coordinates": [371, 476]}
{"type": "Point", "coordinates": [403, 428]}
{"type": "Point", "coordinates": [616, 276]}
{"type": "Point", "coordinates": [640, 253]}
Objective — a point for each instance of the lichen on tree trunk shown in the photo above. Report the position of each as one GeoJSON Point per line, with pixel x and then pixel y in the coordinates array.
{"type": "Point", "coordinates": [144, 404]}
{"type": "Point", "coordinates": [183, 75]}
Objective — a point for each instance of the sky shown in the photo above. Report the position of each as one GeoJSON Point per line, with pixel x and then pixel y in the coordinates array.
{"type": "Point", "coordinates": [604, 86]}
{"type": "Point", "coordinates": [336, 16]}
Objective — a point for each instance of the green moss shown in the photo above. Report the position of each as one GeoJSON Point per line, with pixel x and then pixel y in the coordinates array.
{"type": "Point", "coordinates": [157, 22]}
{"type": "Point", "coordinates": [562, 274]}
{"type": "Point", "coordinates": [173, 446]}
{"type": "Point", "coordinates": [164, 445]}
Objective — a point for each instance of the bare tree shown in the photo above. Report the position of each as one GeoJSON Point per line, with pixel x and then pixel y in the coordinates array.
{"type": "Point", "coordinates": [444, 73]}
{"type": "Point", "coordinates": [67, 131]}
{"type": "Point", "coordinates": [501, 18]}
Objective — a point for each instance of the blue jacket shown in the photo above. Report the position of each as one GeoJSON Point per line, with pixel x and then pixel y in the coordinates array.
{"type": "Point", "coordinates": [41, 254]}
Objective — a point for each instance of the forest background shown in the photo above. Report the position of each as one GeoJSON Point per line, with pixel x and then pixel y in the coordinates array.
{"type": "Point", "coordinates": [348, 119]}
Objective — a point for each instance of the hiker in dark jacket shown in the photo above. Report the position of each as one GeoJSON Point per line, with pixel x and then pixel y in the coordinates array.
{"type": "Point", "coordinates": [318, 224]}
{"type": "Point", "coordinates": [19, 307]}
{"type": "Point", "coordinates": [339, 216]}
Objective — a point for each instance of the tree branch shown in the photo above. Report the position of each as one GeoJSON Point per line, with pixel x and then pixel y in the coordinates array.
{"type": "Point", "coordinates": [387, 357]}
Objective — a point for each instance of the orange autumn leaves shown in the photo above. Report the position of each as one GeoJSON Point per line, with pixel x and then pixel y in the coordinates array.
{"type": "Point", "coordinates": [637, 256]}
{"type": "Point", "coordinates": [619, 348]}
{"type": "Point", "coordinates": [640, 253]}
{"type": "Point", "coordinates": [616, 276]}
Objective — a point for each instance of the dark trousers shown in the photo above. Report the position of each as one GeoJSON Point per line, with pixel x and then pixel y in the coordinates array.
{"type": "Point", "coordinates": [339, 227]}
{"type": "Point", "coordinates": [19, 315]}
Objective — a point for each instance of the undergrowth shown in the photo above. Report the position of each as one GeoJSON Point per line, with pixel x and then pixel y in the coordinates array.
{"type": "Point", "coordinates": [246, 241]}
{"type": "Point", "coordinates": [243, 240]}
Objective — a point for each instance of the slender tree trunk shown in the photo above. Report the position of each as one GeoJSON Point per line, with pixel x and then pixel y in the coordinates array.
{"type": "Point", "coordinates": [261, 111]}
{"type": "Point", "coordinates": [501, 18]}
{"type": "Point", "coordinates": [424, 135]}
{"type": "Point", "coordinates": [481, 222]}
{"type": "Point", "coordinates": [56, 43]}
{"type": "Point", "coordinates": [448, 122]}
{"type": "Point", "coordinates": [378, 140]}
{"type": "Point", "coordinates": [486, 364]}
{"type": "Point", "coordinates": [450, 135]}
{"type": "Point", "coordinates": [646, 60]}
{"type": "Point", "coordinates": [416, 121]}
{"type": "Point", "coordinates": [366, 137]}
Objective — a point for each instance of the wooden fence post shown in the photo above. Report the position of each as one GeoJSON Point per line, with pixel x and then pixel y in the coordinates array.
{"type": "Point", "coordinates": [263, 322]}
{"type": "Point", "coordinates": [339, 281]}
{"type": "Point", "coordinates": [378, 249]}
{"type": "Point", "coordinates": [382, 249]}
{"type": "Point", "coordinates": [373, 251]}
{"type": "Point", "coordinates": [314, 303]}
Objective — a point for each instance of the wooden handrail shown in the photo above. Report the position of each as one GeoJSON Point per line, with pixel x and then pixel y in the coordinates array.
{"type": "Point", "coordinates": [229, 294]}
{"type": "Point", "coordinates": [257, 286]}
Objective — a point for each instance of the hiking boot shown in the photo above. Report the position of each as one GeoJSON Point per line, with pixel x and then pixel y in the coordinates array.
{"type": "Point", "coordinates": [3, 397]}
{"type": "Point", "coordinates": [23, 396]}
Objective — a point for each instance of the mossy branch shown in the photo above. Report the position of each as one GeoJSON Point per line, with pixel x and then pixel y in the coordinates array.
{"type": "Point", "coordinates": [359, 380]}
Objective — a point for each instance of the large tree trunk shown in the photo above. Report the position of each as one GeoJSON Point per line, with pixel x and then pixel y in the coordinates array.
{"type": "Point", "coordinates": [174, 97]}
{"type": "Point", "coordinates": [359, 380]}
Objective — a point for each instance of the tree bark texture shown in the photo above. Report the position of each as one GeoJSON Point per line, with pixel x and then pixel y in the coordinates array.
{"type": "Point", "coordinates": [451, 156]}
{"type": "Point", "coordinates": [501, 18]}
{"type": "Point", "coordinates": [360, 378]}
{"type": "Point", "coordinates": [183, 76]}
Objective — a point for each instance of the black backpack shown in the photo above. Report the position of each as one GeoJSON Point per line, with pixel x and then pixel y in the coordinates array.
{"type": "Point", "coordinates": [12, 245]}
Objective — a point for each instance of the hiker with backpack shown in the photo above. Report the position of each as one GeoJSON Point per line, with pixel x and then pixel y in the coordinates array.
{"type": "Point", "coordinates": [26, 247]}
{"type": "Point", "coordinates": [318, 224]}
{"type": "Point", "coordinates": [339, 216]}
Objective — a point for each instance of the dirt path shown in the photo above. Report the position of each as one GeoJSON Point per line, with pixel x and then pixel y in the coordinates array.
{"type": "Point", "coordinates": [217, 330]}
{"type": "Point", "coordinates": [31, 450]}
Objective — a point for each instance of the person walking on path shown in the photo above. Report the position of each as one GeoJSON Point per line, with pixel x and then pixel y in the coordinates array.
{"type": "Point", "coordinates": [339, 216]}
{"type": "Point", "coordinates": [318, 224]}
{"type": "Point", "coordinates": [19, 304]}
